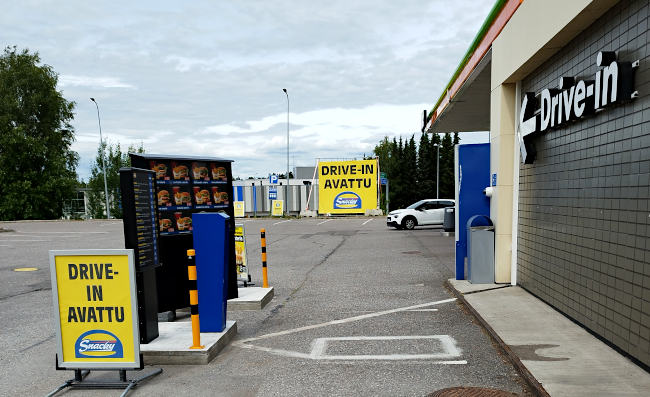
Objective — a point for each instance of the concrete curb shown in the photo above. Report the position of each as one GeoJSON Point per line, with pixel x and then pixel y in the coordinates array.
{"type": "Point", "coordinates": [530, 380]}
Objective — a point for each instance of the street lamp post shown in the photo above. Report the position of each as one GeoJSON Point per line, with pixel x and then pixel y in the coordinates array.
{"type": "Point", "coordinates": [101, 140]}
{"type": "Point", "coordinates": [287, 187]}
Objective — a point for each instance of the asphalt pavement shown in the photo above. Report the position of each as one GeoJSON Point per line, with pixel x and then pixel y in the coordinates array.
{"type": "Point", "coordinates": [359, 309]}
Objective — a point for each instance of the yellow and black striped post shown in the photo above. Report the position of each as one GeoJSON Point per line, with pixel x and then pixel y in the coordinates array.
{"type": "Point", "coordinates": [265, 275]}
{"type": "Point", "coordinates": [194, 300]}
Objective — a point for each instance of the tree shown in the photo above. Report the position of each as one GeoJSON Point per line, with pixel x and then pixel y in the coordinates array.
{"type": "Point", "coordinates": [412, 170]}
{"type": "Point", "coordinates": [115, 160]}
{"type": "Point", "coordinates": [37, 167]}
{"type": "Point", "coordinates": [447, 186]}
{"type": "Point", "coordinates": [426, 169]}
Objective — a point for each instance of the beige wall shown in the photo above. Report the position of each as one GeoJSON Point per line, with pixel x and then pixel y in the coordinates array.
{"type": "Point", "coordinates": [537, 30]}
{"type": "Point", "coordinates": [502, 133]}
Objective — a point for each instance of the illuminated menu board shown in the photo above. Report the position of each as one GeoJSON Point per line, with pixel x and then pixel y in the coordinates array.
{"type": "Point", "coordinates": [185, 186]}
{"type": "Point", "coordinates": [140, 225]}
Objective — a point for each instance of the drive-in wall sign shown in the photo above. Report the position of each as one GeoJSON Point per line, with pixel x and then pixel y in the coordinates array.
{"type": "Point", "coordinates": [573, 100]}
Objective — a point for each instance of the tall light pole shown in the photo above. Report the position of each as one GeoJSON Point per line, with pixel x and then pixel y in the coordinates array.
{"type": "Point", "coordinates": [437, 170]}
{"type": "Point", "coordinates": [287, 187]}
{"type": "Point", "coordinates": [101, 147]}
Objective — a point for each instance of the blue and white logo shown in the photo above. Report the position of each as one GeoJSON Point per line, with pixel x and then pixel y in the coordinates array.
{"type": "Point", "coordinates": [347, 200]}
{"type": "Point", "coordinates": [98, 343]}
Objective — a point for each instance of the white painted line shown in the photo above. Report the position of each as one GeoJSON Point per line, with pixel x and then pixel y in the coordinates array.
{"type": "Point", "coordinates": [277, 223]}
{"type": "Point", "coordinates": [325, 221]}
{"type": "Point", "coordinates": [35, 236]}
{"type": "Point", "coordinates": [2, 245]}
{"type": "Point", "coordinates": [62, 232]}
{"type": "Point", "coordinates": [243, 342]}
{"type": "Point", "coordinates": [424, 310]}
{"type": "Point", "coordinates": [366, 222]}
{"type": "Point", "coordinates": [447, 345]}
{"type": "Point", "coordinates": [14, 241]}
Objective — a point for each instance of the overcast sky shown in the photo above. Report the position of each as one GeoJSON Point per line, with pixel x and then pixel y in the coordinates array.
{"type": "Point", "coordinates": [206, 77]}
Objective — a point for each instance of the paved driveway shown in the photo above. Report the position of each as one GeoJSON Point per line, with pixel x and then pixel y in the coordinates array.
{"type": "Point", "coordinates": [360, 309]}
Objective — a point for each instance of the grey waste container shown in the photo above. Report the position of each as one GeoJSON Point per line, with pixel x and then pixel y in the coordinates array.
{"type": "Point", "coordinates": [449, 221]}
{"type": "Point", "coordinates": [480, 250]}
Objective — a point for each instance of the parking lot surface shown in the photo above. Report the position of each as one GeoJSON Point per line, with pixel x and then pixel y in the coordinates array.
{"type": "Point", "coordinates": [359, 309]}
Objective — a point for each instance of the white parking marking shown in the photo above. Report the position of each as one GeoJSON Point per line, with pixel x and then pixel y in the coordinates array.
{"type": "Point", "coordinates": [246, 343]}
{"type": "Point", "coordinates": [448, 349]}
{"type": "Point", "coordinates": [325, 221]}
{"type": "Point", "coordinates": [35, 236]}
{"type": "Point", "coordinates": [277, 223]}
{"type": "Point", "coordinates": [14, 241]}
{"type": "Point", "coordinates": [424, 310]}
{"type": "Point", "coordinates": [366, 222]}
{"type": "Point", "coordinates": [62, 232]}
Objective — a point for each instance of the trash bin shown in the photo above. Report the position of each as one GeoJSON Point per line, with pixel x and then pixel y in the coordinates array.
{"type": "Point", "coordinates": [480, 250]}
{"type": "Point", "coordinates": [449, 221]}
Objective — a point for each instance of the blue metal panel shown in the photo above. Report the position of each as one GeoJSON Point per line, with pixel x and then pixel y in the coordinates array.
{"type": "Point", "coordinates": [240, 193]}
{"type": "Point", "coordinates": [210, 235]}
{"type": "Point", "coordinates": [473, 176]}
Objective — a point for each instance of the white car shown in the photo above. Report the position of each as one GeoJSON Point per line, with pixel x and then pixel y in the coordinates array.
{"type": "Point", "coordinates": [424, 212]}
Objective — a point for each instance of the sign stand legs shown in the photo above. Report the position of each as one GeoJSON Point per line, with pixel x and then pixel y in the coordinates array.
{"type": "Point", "coordinates": [79, 375]}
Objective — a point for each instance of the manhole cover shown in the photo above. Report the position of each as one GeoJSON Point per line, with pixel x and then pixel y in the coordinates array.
{"type": "Point", "coordinates": [471, 392]}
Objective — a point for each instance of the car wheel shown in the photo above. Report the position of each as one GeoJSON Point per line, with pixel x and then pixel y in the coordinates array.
{"type": "Point", "coordinates": [409, 223]}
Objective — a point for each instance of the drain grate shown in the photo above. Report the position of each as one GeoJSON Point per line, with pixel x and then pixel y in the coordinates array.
{"type": "Point", "coordinates": [471, 392]}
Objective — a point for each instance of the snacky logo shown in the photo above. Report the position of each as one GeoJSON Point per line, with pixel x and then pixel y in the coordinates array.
{"type": "Point", "coordinates": [347, 200]}
{"type": "Point", "coordinates": [98, 343]}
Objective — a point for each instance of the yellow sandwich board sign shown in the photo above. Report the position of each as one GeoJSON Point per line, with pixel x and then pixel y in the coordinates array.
{"type": "Point", "coordinates": [239, 209]}
{"type": "Point", "coordinates": [347, 187]}
{"type": "Point", "coordinates": [95, 309]}
{"type": "Point", "coordinates": [240, 253]}
{"type": "Point", "coordinates": [277, 207]}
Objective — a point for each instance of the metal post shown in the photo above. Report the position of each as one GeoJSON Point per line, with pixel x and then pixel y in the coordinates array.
{"type": "Point", "coordinates": [101, 140]}
{"type": "Point", "coordinates": [254, 200]}
{"type": "Point", "coordinates": [437, 171]}
{"type": "Point", "coordinates": [194, 300]}
{"type": "Point", "coordinates": [265, 275]}
{"type": "Point", "coordinates": [387, 197]}
{"type": "Point", "coordinates": [287, 187]}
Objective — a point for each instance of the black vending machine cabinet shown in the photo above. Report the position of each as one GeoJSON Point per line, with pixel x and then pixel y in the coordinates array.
{"type": "Point", "coordinates": [138, 187]}
{"type": "Point", "coordinates": [185, 185]}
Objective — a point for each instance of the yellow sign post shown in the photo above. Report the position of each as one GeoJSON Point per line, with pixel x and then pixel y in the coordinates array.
{"type": "Point", "coordinates": [239, 209]}
{"type": "Point", "coordinates": [277, 207]}
{"type": "Point", "coordinates": [240, 254]}
{"type": "Point", "coordinates": [95, 309]}
{"type": "Point", "coordinates": [347, 187]}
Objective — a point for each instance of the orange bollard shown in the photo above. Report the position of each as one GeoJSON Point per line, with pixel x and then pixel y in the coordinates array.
{"type": "Point", "coordinates": [265, 275]}
{"type": "Point", "coordinates": [194, 300]}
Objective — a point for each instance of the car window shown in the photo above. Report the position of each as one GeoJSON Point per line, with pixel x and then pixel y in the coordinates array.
{"type": "Point", "coordinates": [429, 206]}
{"type": "Point", "coordinates": [415, 205]}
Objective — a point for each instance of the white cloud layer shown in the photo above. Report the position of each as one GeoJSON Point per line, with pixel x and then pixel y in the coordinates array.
{"type": "Point", "coordinates": [206, 78]}
{"type": "Point", "coordinates": [92, 82]}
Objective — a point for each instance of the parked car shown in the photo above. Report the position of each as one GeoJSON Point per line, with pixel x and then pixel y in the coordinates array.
{"type": "Point", "coordinates": [424, 212]}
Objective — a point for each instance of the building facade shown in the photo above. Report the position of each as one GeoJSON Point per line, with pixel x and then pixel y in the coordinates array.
{"type": "Point", "coordinates": [568, 110]}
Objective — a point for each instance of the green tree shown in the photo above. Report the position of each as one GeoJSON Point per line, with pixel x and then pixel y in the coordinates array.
{"type": "Point", "coordinates": [409, 193]}
{"type": "Point", "coordinates": [115, 159]}
{"type": "Point", "coordinates": [37, 167]}
{"type": "Point", "coordinates": [412, 170]}
{"type": "Point", "coordinates": [426, 169]}
{"type": "Point", "coordinates": [447, 186]}
{"type": "Point", "coordinates": [384, 152]}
